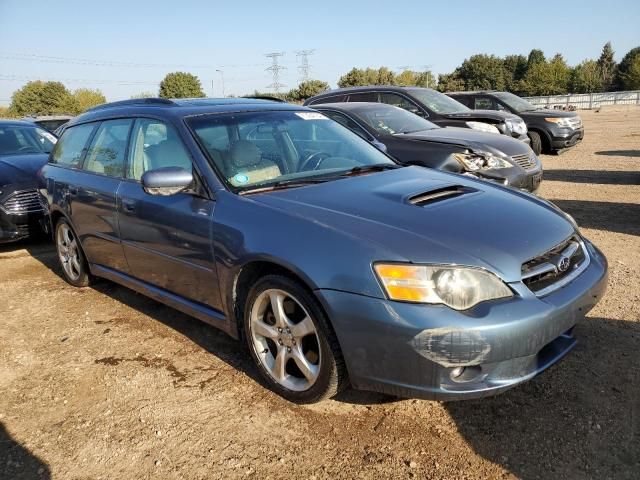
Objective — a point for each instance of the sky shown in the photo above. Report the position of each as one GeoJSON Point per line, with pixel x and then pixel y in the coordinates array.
{"type": "Point", "coordinates": [125, 47]}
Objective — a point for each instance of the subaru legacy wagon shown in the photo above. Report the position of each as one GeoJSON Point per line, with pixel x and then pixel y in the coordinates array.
{"type": "Point", "coordinates": [336, 265]}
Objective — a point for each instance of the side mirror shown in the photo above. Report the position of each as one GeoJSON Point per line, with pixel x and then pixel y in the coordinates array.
{"type": "Point", "coordinates": [379, 145]}
{"type": "Point", "coordinates": [166, 181]}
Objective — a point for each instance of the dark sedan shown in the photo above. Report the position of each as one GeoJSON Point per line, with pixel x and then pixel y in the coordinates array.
{"type": "Point", "coordinates": [413, 140]}
{"type": "Point", "coordinates": [24, 149]}
{"type": "Point", "coordinates": [428, 103]}
{"type": "Point", "coordinates": [333, 263]}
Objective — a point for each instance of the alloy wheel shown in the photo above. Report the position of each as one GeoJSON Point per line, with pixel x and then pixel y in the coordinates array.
{"type": "Point", "coordinates": [68, 252]}
{"type": "Point", "coordinates": [285, 340]}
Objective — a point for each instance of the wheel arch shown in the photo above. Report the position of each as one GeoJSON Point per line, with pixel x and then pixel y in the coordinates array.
{"type": "Point", "coordinates": [545, 138]}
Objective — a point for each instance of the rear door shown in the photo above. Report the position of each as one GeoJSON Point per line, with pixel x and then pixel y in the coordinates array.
{"type": "Point", "coordinates": [94, 157]}
{"type": "Point", "coordinates": [166, 239]}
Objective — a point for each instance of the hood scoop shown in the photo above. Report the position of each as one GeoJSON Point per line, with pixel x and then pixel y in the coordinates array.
{"type": "Point", "coordinates": [439, 194]}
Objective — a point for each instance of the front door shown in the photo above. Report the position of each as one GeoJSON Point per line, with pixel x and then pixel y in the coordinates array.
{"type": "Point", "coordinates": [166, 239]}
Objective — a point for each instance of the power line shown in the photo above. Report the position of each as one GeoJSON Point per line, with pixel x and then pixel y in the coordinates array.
{"type": "Point", "coordinates": [304, 63]}
{"type": "Point", "coordinates": [275, 69]}
{"type": "Point", "coordinates": [22, 78]}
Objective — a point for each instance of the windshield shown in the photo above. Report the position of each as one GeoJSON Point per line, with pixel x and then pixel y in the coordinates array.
{"type": "Point", "coordinates": [22, 139]}
{"type": "Point", "coordinates": [438, 102]}
{"type": "Point", "coordinates": [516, 103]}
{"type": "Point", "coordinates": [260, 149]}
{"type": "Point", "coordinates": [393, 120]}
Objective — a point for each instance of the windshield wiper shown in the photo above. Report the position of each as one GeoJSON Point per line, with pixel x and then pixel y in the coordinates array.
{"type": "Point", "coordinates": [282, 184]}
{"type": "Point", "coordinates": [369, 168]}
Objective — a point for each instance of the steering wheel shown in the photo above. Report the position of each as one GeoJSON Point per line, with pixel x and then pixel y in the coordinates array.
{"type": "Point", "coordinates": [318, 157]}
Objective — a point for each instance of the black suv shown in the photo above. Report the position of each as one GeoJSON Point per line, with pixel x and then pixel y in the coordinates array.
{"type": "Point", "coordinates": [430, 104]}
{"type": "Point", "coordinates": [549, 130]}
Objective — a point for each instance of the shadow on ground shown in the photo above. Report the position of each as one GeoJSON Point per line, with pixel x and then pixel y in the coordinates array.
{"type": "Point", "coordinates": [601, 177]}
{"type": "Point", "coordinates": [609, 216]}
{"type": "Point", "coordinates": [17, 462]}
{"type": "Point", "coordinates": [620, 153]}
{"type": "Point", "coordinates": [580, 419]}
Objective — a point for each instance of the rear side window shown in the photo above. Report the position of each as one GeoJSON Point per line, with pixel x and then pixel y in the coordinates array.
{"type": "Point", "coordinates": [106, 154]}
{"type": "Point", "coordinates": [484, 103]}
{"type": "Point", "coordinates": [363, 97]}
{"type": "Point", "coordinates": [154, 144]}
{"type": "Point", "coordinates": [71, 146]}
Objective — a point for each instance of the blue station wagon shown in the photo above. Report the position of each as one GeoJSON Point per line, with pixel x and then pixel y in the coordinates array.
{"type": "Point", "coordinates": [336, 265]}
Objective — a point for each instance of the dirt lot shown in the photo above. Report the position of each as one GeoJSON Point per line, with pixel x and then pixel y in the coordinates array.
{"type": "Point", "coordinates": [104, 383]}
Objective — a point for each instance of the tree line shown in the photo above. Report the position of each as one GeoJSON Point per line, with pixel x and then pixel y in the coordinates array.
{"type": "Point", "coordinates": [523, 75]}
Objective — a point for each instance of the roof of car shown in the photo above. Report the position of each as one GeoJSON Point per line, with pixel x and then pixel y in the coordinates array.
{"type": "Point", "coordinates": [473, 92]}
{"type": "Point", "coordinates": [17, 123]}
{"type": "Point", "coordinates": [353, 106]}
{"type": "Point", "coordinates": [182, 107]}
{"type": "Point", "coordinates": [367, 88]}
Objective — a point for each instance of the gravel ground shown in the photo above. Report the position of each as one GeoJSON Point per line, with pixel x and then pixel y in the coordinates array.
{"type": "Point", "coordinates": [104, 383]}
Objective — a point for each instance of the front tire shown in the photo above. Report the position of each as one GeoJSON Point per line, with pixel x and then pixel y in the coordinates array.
{"type": "Point", "coordinates": [70, 255]}
{"type": "Point", "coordinates": [536, 142]}
{"type": "Point", "coordinates": [291, 341]}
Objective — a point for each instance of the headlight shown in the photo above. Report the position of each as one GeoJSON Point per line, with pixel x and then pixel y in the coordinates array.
{"type": "Point", "coordinates": [473, 162]}
{"type": "Point", "coordinates": [561, 122]}
{"type": "Point", "coordinates": [457, 287]}
{"type": "Point", "coordinates": [482, 127]}
{"type": "Point", "coordinates": [517, 126]}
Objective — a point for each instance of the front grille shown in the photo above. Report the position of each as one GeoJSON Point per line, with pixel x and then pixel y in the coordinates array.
{"type": "Point", "coordinates": [555, 268]}
{"type": "Point", "coordinates": [526, 160]}
{"type": "Point", "coordinates": [25, 201]}
{"type": "Point", "coordinates": [575, 122]}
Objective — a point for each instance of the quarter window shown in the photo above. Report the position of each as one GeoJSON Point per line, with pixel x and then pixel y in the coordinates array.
{"type": "Point", "coordinates": [106, 153]}
{"type": "Point", "coordinates": [71, 146]}
{"type": "Point", "coordinates": [155, 145]}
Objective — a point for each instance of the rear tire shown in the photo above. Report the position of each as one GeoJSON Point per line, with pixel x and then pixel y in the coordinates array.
{"type": "Point", "coordinates": [291, 341]}
{"type": "Point", "coordinates": [73, 263]}
{"type": "Point", "coordinates": [536, 142]}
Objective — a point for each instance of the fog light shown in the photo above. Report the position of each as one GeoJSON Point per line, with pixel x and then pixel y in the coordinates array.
{"type": "Point", "coordinates": [456, 372]}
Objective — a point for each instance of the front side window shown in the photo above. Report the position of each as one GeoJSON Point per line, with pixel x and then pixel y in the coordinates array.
{"type": "Point", "coordinates": [438, 102]}
{"type": "Point", "coordinates": [399, 101]}
{"type": "Point", "coordinates": [516, 103]}
{"type": "Point", "coordinates": [394, 120]}
{"type": "Point", "coordinates": [284, 146]}
{"type": "Point", "coordinates": [72, 144]}
{"type": "Point", "coordinates": [19, 139]}
{"type": "Point", "coordinates": [106, 154]}
{"type": "Point", "coordinates": [155, 144]}
{"type": "Point", "coordinates": [347, 122]}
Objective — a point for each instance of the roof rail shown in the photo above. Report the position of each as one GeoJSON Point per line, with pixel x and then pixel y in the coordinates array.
{"type": "Point", "coordinates": [266, 97]}
{"type": "Point", "coordinates": [133, 101]}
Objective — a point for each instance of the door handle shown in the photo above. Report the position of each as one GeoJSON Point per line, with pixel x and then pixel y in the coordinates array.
{"type": "Point", "coordinates": [128, 206]}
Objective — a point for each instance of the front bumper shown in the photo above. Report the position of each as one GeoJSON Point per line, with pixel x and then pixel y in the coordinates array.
{"type": "Point", "coordinates": [566, 137]}
{"type": "Point", "coordinates": [519, 178]}
{"type": "Point", "coordinates": [412, 350]}
{"type": "Point", "coordinates": [14, 227]}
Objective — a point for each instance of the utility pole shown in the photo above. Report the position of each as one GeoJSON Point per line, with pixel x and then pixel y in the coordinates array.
{"type": "Point", "coordinates": [275, 70]}
{"type": "Point", "coordinates": [222, 80]}
{"type": "Point", "coordinates": [304, 66]}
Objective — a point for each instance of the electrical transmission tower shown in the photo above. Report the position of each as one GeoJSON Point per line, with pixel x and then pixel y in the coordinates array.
{"type": "Point", "coordinates": [304, 66]}
{"type": "Point", "coordinates": [275, 69]}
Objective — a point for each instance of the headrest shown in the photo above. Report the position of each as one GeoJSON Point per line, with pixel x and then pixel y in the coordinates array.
{"type": "Point", "coordinates": [245, 154]}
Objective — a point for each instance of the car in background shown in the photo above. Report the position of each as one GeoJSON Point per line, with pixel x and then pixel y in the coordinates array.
{"type": "Point", "coordinates": [432, 105]}
{"type": "Point", "coordinates": [412, 140]}
{"type": "Point", "coordinates": [49, 122]}
{"type": "Point", "coordinates": [24, 150]}
{"type": "Point", "coordinates": [333, 263]}
{"type": "Point", "coordinates": [549, 130]}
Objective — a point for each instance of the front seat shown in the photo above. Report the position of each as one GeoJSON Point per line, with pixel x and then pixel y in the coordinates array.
{"type": "Point", "coordinates": [246, 165]}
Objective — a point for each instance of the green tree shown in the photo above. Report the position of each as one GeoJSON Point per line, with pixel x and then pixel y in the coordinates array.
{"type": "Point", "coordinates": [607, 66]}
{"type": "Point", "coordinates": [483, 72]}
{"type": "Point", "coordinates": [515, 68]}
{"type": "Point", "coordinates": [547, 78]}
{"type": "Point", "coordinates": [406, 78]}
{"type": "Point", "coordinates": [425, 79]}
{"type": "Point", "coordinates": [625, 75]}
{"type": "Point", "coordinates": [586, 77]}
{"type": "Point", "coordinates": [85, 98]}
{"type": "Point", "coordinates": [42, 98]}
{"type": "Point", "coordinates": [536, 56]}
{"type": "Point", "coordinates": [180, 85]}
{"type": "Point", "coordinates": [307, 89]}
{"type": "Point", "coordinates": [143, 95]}
{"type": "Point", "coordinates": [353, 78]}
{"type": "Point", "coordinates": [357, 77]}
{"type": "Point", "coordinates": [631, 77]}
{"type": "Point", "coordinates": [385, 77]}
{"type": "Point", "coordinates": [450, 82]}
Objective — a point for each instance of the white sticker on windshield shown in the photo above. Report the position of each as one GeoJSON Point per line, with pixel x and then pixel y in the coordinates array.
{"type": "Point", "coordinates": [311, 116]}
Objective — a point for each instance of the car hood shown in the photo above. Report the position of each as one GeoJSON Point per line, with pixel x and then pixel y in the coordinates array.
{"type": "Point", "coordinates": [483, 115]}
{"type": "Point", "coordinates": [472, 139]}
{"type": "Point", "coordinates": [547, 112]}
{"type": "Point", "coordinates": [15, 169]}
{"type": "Point", "coordinates": [488, 227]}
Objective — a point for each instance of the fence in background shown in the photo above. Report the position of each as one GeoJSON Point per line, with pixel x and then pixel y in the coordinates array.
{"type": "Point", "coordinates": [587, 100]}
